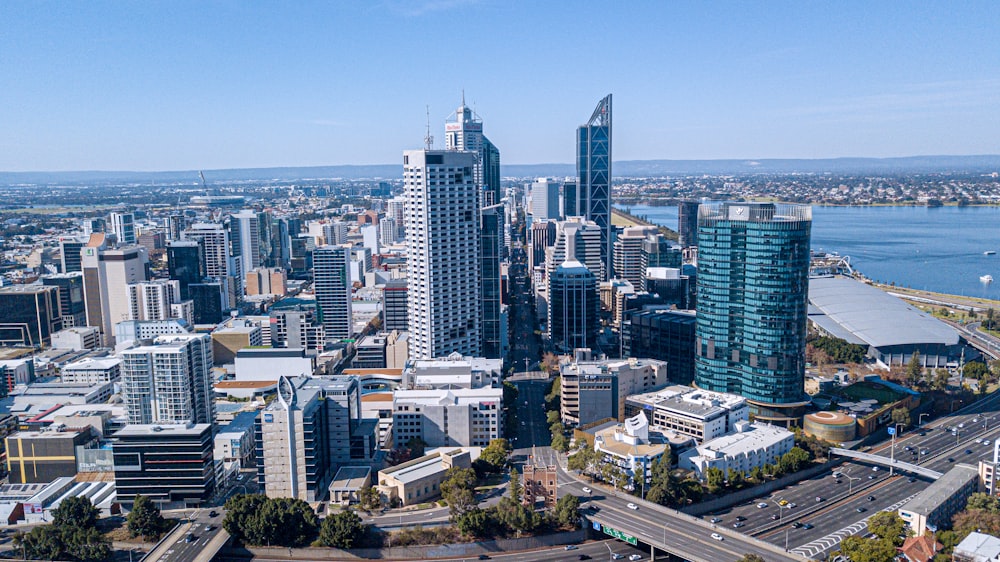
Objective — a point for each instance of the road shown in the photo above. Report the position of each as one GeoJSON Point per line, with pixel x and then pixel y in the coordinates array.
{"type": "Point", "coordinates": [836, 516]}
{"type": "Point", "coordinates": [202, 528]}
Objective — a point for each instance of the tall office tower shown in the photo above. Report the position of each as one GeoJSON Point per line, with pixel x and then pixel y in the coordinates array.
{"type": "Point", "coordinates": [593, 167]}
{"type": "Point", "coordinates": [173, 226]}
{"type": "Point", "coordinates": [301, 258]}
{"type": "Point", "coordinates": [185, 263]}
{"type": "Point", "coordinates": [332, 285]}
{"type": "Point", "coordinates": [209, 302]}
{"type": "Point", "coordinates": [541, 237]}
{"type": "Point", "coordinates": [396, 209]}
{"type": "Point", "coordinates": [490, 294]}
{"type": "Point", "coordinates": [574, 307]}
{"type": "Point", "coordinates": [170, 381]}
{"type": "Point", "coordinates": [152, 300]}
{"type": "Point", "coordinates": [123, 226]}
{"type": "Point", "coordinates": [545, 199]}
{"type": "Point", "coordinates": [280, 243]}
{"type": "Point", "coordinates": [69, 248]}
{"type": "Point", "coordinates": [570, 199]}
{"type": "Point", "coordinates": [466, 133]}
{"type": "Point", "coordinates": [29, 315]}
{"type": "Point", "coordinates": [387, 231]}
{"type": "Point", "coordinates": [442, 236]}
{"type": "Point", "coordinates": [687, 223]}
{"type": "Point", "coordinates": [753, 280]}
{"type": "Point", "coordinates": [629, 258]}
{"type": "Point", "coordinates": [94, 225]}
{"type": "Point", "coordinates": [585, 237]}
{"type": "Point", "coordinates": [659, 251]}
{"type": "Point", "coordinates": [220, 265]}
{"type": "Point", "coordinates": [335, 233]}
{"type": "Point", "coordinates": [394, 299]}
{"type": "Point", "coordinates": [254, 238]}
{"type": "Point", "coordinates": [107, 273]}
{"type": "Point", "coordinates": [72, 310]}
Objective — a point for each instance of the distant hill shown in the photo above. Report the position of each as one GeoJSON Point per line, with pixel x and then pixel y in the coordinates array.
{"type": "Point", "coordinates": [624, 168]}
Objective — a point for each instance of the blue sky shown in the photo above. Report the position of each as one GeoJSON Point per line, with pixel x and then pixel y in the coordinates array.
{"type": "Point", "coordinates": [202, 85]}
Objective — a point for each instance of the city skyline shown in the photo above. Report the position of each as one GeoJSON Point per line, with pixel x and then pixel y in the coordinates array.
{"type": "Point", "coordinates": [188, 86]}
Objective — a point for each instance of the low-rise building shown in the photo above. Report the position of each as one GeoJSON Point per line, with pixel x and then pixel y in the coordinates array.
{"type": "Point", "coordinates": [234, 443]}
{"type": "Point", "coordinates": [229, 340]}
{"type": "Point", "coordinates": [630, 448]}
{"type": "Point", "coordinates": [596, 390]}
{"type": "Point", "coordinates": [348, 483]}
{"type": "Point", "coordinates": [454, 371]}
{"type": "Point", "coordinates": [753, 445]}
{"type": "Point", "coordinates": [269, 364]}
{"type": "Point", "coordinates": [419, 480]}
{"type": "Point", "coordinates": [14, 372]}
{"type": "Point", "coordinates": [77, 338]}
{"type": "Point", "coordinates": [43, 456]}
{"type": "Point", "coordinates": [447, 418]}
{"type": "Point", "coordinates": [934, 506]}
{"type": "Point", "coordinates": [702, 414]}
{"type": "Point", "coordinates": [977, 547]}
{"type": "Point", "coordinates": [92, 370]}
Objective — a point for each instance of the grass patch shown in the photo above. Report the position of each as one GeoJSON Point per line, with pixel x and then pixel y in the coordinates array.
{"type": "Point", "coordinates": [420, 536]}
{"type": "Point", "coordinates": [116, 529]}
{"type": "Point", "coordinates": [425, 505]}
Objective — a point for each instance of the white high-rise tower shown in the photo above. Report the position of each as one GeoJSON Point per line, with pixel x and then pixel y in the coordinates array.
{"type": "Point", "coordinates": [442, 239]}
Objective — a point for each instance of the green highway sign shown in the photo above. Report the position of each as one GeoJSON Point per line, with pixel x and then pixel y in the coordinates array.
{"type": "Point", "coordinates": [619, 535]}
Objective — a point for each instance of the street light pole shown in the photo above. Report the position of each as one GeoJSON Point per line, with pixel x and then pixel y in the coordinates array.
{"type": "Point", "coordinates": [920, 418]}
{"type": "Point", "coordinates": [611, 553]}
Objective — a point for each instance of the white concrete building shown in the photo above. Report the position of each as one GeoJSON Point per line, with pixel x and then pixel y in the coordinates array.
{"type": "Point", "coordinates": [753, 445]}
{"type": "Point", "coordinates": [152, 300]}
{"type": "Point", "coordinates": [447, 418]}
{"type": "Point", "coordinates": [169, 382]}
{"type": "Point", "coordinates": [442, 240]}
{"type": "Point", "coordinates": [453, 371]}
{"type": "Point", "coordinates": [690, 411]}
{"type": "Point", "coordinates": [92, 371]}
{"type": "Point", "coordinates": [628, 446]}
{"type": "Point", "coordinates": [77, 338]}
{"type": "Point", "coordinates": [596, 390]}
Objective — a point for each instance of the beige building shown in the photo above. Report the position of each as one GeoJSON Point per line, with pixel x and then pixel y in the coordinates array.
{"type": "Point", "coordinates": [419, 480]}
{"type": "Point", "coordinates": [227, 341]}
{"type": "Point", "coordinates": [596, 390]}
{"type": "Point", "coordinates": [267, 281]}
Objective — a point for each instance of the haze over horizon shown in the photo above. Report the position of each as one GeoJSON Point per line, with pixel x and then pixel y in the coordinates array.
{"type": "Point", "coordinates": [186, 85]}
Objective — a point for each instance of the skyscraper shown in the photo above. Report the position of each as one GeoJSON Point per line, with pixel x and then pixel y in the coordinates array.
{"type": "Point", "coordinates": [442, 238]}
{"type": "Point", "coordinates": [220, 264]}
{"type": "Point", "coordinates": [152, 300]}
{"type": "Point", "coordinates": [753, 273]}
{"type": "Point", "coordinates": [630, 263]}
{"type": "Point", "coordinates": [574, 306]}
{"type": "Point", "coordinates": [579, 240]}
{"type": "Point", "coordinates": [466, 133]}
{"type": "Point", "coordinates": [254, 238]}
{"type": "Point", "coordinates": [123, 226]}
{"type": "Point", "coordinates": [687, 223]}
{"type": "Point", "coordinates": [332, 285]}
{"type": "Point", "coordinates": [169, 382]}
{"type": "Point", "coordinates": [593, 166]}
{"type": "Point", "coordinates": [186, 263]}
{"type": "Point", "coordinates": [491, 297]}
{"type": "Point", "coordinates": [107, 273]}
{"type": "Point", "coordinates": [545, 199]}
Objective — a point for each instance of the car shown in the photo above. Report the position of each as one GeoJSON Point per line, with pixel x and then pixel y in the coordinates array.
{"type": "Point", "coordinates": [570, 547]}
{"type": "Point", "coordinates": [793, 504]}
{"type": "Point", "coordinates": [819, 499]}
{"type": "Point", "coordinates": [836, 474]}
{"type": "Point", "coordinates": [583, 557]}
{"type": "Point", "coordinates": [961, 426]}
{"type": "Point", "coordinates": [922, 434]}
{"type": "Point", "coordinates": [213, 513]}
{"type": "Point", "coordinates": [209, 528]}
{"type": "Point", "coordinates": [911, 479]}
{"type": "Point", "coordinates": [907, 448]}
{"type": "Point", "coordinates": [986, 441]}
{"type": "Point", "coordinates": [595, 508]}
{"type": "Point", "coordinates": [861, 510]}
{"type": "Point", "coordinates": [761, 505]}
{"type": "Point", "coordinates": [740, 518]}
{"type": "Point", "coordinates": [871, 477]}
{"type": "Point", "coordinates": [632, 506]}
{"type": "Point", "coordinates": [951, 459]}
{"type": "Point", "coordinates": [975, 420]}
{"type": "Point", "coordinates": [979, 441]}
{"type": "Point", "coordinates": [483, 557]}
{"type": "Point", "coordinates": [924, 452]}
{"type": "Point", "coordinates": [738, 524]}
{"type": "Point", "coordinates": [839, 481]}
{"type": "Point", "coordinates": [968, 451]}
{"type": "Point", "coordinates": [807, 526]}
{"type": "Point", "coordinates": [635, 557]}
{"type": "Point", "coordinates": [617, 556]}
{"type": "Point", "coordinates": [586, 490]}
{"type": "Point", "coordinates": [774, 517]}
{"type": "Point", "coordinates": [189, 537]}
{"type": "Point", "coordinates": [874, 469]}
{"type": "Point", "coordinates": [717, 536]}
{"type": "Point", "coordinates": [716, 520]}
{"type": "Point", "coordinates": [871, 498]}
{"type": "Point", "coordinates": [796, 525]}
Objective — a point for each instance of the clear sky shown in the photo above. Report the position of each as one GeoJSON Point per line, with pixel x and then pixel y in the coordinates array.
{"type": "Point", "coordinates": [200, 85]}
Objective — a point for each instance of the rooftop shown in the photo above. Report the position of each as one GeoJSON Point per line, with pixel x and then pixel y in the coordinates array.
{"type": "Point", "coordinates": [162, 429]}
{"type": "Point", "coordinates": [690, 401]}
{"type": "Point", "coordinates": [931, 497]}
{"type": "Point", "coordinates": [978, 547]}
{"type": "Point", "coordinates": [420, 468]}
{"type": "Point", "coordinates": [758, 435]}
{"type": "Point", "coordinates": [350, 477]}
{"type": "Point", "coordinates": [93, 364]}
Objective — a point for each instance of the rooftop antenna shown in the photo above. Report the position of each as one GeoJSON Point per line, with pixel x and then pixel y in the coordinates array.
{"type": "Point", "coordinates": [463, 96]}
{"type": "Point", "coordinates": [428, 139]}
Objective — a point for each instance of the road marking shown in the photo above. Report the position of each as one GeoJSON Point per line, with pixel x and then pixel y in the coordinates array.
{"type": "Point", "coordinates": [810, 550]}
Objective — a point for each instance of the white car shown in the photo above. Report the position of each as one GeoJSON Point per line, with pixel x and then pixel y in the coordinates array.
{"type": "Point", "coordinates": [761, 505]}
{"type": "Point", "coordinates": [635, 557]}
{"type": "Point", "coordinates": [717, 536]}
{"type": "Point", "coordinates": [570, 547]}
{"type": "Point", "coordinates": [632, 506]}
{"type": "Point", "coordinates": [874, 469]}
{"type": "Point", "coordinates": [986, 441]}
{"type": "Point", "coordinates": [586, 490]}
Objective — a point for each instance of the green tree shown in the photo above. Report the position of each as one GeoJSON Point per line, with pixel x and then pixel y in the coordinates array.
{"type": "Point", "coordinates": [510, 393]}
{"type": "Point", "coordinates": [901, 415]}
{"type": "Point", "coordinates": [369, 498]}
{"type": "Point", "coordinates": [475, 523]}
{"type": "Point", "coordinates": [457, 489]}
{"type": "Point", "coordinates": [517, 517]}
{"type": "Point", "coordinates": [567, 511]}
{"type": "Point", "coordinates": [584, 459]}
{"type": "Point", "coordinates": [560, 443]}
{"type": "Point", "coordinates": [287, 522]}
{"type": "Point", "coordinates": [859, 549]}
{"type": "Point", "coordinates": [983, 502]}
{"type": "Point", "coordinates": [751, 558]}
{"type": "Point", "coordinates": [756, 475]}
{"type": "Point", "coordinates": [715, 479]}
{"type": "Point", "coordinates": [42, 543]}
{"type": "Point", "coordinates": [979, 372]}
{"type": "Point", "coordinates": [914, 370]}
{"type": "Point", "coordinates": [341, 530]}
{"type": "Point", "coordinates": [516, 486]}
{"type": "Point", "coordinates": [416, 446]}
{"type": "Point", "coordinates": [887, 525]}
{"type": "Point", "coordinates": [552, 396]}
{"type": "Point", "coordinates": [145, 518]}
{"type": "Point", "coordinates": [940, 380]}
{"type": "Point", "coordinates": [86, 544]}
{"type": "Point", "coordinates": [77, 512]}
{"type": "Point", "coordinates": [552, 417]}
{"type": "Point", "coordinates": [241, 511]}
{"type": "Point", "coordinates": [497, 454]}
{"type": "Point", "coordinates": [793, 460]}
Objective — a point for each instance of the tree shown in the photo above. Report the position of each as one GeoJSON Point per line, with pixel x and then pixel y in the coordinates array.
{"type": "Point", "coordinates": [793, 460]}
{"type": "Point", "coordinates": [552, 396]}
{"type": "Point", "coordinates": [715, 479]}
{"type": "Point", "coordinates": [983, 502]}
{"type": "Point", "coordinates": [240, 513]}
{"type": "Point", "coordinates": [517, 517]}
{"type": "Point", "coordinates": [42, 543]}
{"type": "Point", "coordinates": [416, 446]}
{"type": "Point", "coordinates": [859, 549]}
{"type": "Point", "coordinates": [567, 512]}
{"type": "Point", "coordinates": [584, 460]}
{"type": "Point", "coordinates": [888, 525]}
{"type": "Point", "coordinates": [496, 454]}
{"type": "Point", "coordinates": [914, 370]}
{"type": "Point", "coordinates": [341, 530]}
{"type": "Point", "coordinates": [901, 415]}
{"type": "Point", "coordinates": [751, 558]}
{"type": "Point", "coordinates": [77, 512]}
{"type": "Point", "coordinates": [560, 443]}
{"type": "Point", "coordinates": [475, 523]}
{"type": "Point", "coordinates": [369, 498]}
{"type": "Point", "coordinates": [86, 544]}
{"type": "Point", "coordinates": [552, 417]}
{"type": "Point", "coordinates": [940, 380]}
{"type": "Point", "coordinates": [978, 371]}
{"type": "Point", "coordinates": [516, 486]}
{"type": "Point", "coordinates": [398, 455]}
{"type": "Point", "coordinates": [259, 520]}
{"type": "Point", "coordinates": [145, 518]}
{"type": "Point", "coordinates": [456, 489]}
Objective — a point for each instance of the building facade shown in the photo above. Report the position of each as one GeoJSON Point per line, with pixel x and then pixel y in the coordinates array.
{"type": "Point", "coordinates": [169, 382]}
{"type": "Point", "coordinates": [172, 465]}
{"type": "Point", "coordinates": [596, 390]}
{"type": "Point", "coordinates": [593, 166]}
{"type": "Point", "coordinates": [448, 418]}
{"type": "Point", "coordinates": [332, 285]}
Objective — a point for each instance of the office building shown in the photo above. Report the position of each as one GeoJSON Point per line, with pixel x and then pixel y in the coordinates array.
{"type": "Point", "coordinates": [670, 285]}
{"type": "Point", "coordinates": [107, 273]}
{"type": "Point", "coordinates": [577, 239]}
{"type": "Point", "coordinates": [254, 238]}
{"type": "Point", "coordinates": [77, 338]}
{"type": "Point", "coordinates": [219, 264]}
{"type": "Point", "coordinates": [452, 372]}
{"type": "Point", "coordinates": [659, 251]}
{"type": "Point", "coordinates": [94, 225]}
{"type": "Point", "coordinates": [493, 310]}
{"type": "Point", "coordinates": [172, 465]}
{"type": "Point", "coordinates": [297, 328]}
{"type": "Point", "coordinates": [387, 231]}
{"type": "Point", "coordinates": [687, 223]}
{"type": "Point", "coordinates": [92, 370]}
{"type": "Point", "coordinates": [169, 382]}
{"type": "Point", "coordinates": [267, 281]}
{"type": "Point", "coordinates": [69, 251]}
{"type": "Point", "coordinates": [186, 263]}
{"type": "Point", "coordinates": [234, 443]}
{"type": "Point", "coordinates": [629, 254]}
{"type": "Point", "coordinates": [688, 411]}
{"type": "Point", "coordinates": [753, 445]}
{"type": "Point", "coordinates": [628, 446]}
{"type": "Point", "coordinates": [753, 279]}
{"type": "Point", "coordinates": [394, 305]}
{"type": "Point", "coordinates": [29, 315]}
{"type": "Point", "coordinates": [545, 199]}
{"type": "Point", "coordinates": [442, 236]}
{"type": "Point", "coordinates": [465, 133]}
{"type": "Point", "coordinates": [331, 283]}
{"type": "Point", "coordinates": [593, 158]}
{"type": "Point", "coordinates": [72, 307]}
{"type": "Point", "coordinates": [419, 480]}
{"type": "Point", "coordinates": [268, 364]}
{"type": "Point", "coordinates": [152, 300]}
{"type": "Point", "coordinates": [541, 237]}
{"type": "Point", "coordinates": [227, 341]}
{"type": "Point", "coordinates": [667, 335]}
{"type": "Point", "coordinates": [208, 299]}
{"type": "Point", "coordinates": [123, 227]}
{"type": "Point", "coordinates": [313, 428]}
{"type": "Point", "coordinates": [447, 418]}
{"type": "Point", "coordinates": [132, 331]}
{"type": "Point", "coordinates": [596, 390]}
{"type": "Point", "coordinates": [573, 307]}
{"type": "Point", "coordinates": [43, 456]}
{"type": "Point", "coordinates": [570, 199]}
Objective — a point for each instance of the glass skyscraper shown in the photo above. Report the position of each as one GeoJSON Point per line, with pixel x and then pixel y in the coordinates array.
{"type": "Point", "coordinates": [753, 279]}
{"type": "Point", "coordinates": [593, 168]}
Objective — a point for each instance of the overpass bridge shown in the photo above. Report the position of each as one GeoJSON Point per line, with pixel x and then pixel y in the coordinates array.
{"type": "Point", "coordinates": [882, 461]}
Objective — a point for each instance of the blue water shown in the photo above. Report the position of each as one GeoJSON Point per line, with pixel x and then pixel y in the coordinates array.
{"type": "Point", "coordinates": [935, 249]}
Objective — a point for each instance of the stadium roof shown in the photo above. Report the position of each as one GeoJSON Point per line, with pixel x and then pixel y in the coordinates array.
{"type": "Point", "coordinates": [863, 314]}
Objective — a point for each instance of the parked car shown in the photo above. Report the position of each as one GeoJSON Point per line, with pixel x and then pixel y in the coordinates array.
{"type": "Point", "coordinates": [570, 547]}
{"type": "Point", "coordinates": [716, 520]}
{"type": "Point", "coordinates": [738, 524]}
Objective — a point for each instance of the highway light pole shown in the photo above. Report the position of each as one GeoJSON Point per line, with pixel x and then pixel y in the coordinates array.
{"type": "Point", "coordinates": [611, 553]}
{"type": "Point", "coordinates": [850, 483]}
{"type": "Point", "coordinates": [892, 451]}
{"type": "Point", "coordinates": [920, 418]}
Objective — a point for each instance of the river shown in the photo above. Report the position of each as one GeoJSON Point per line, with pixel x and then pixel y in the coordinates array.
{"type": "Point", "coordinates": [936, 249]}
